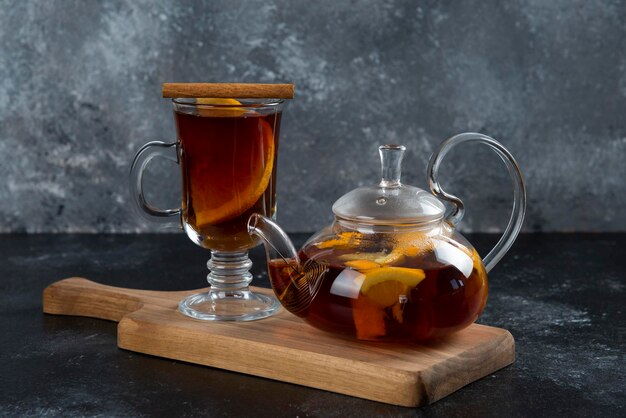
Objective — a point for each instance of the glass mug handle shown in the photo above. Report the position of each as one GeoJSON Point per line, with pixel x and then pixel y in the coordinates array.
{"type": "Point", "coordinates": [144, 156]}
{"type": "Point", "coordinates": [519, 191]}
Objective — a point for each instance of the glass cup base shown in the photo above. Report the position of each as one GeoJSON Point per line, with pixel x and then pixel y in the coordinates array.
{"type": "Point", "coordinates": [239, 305]}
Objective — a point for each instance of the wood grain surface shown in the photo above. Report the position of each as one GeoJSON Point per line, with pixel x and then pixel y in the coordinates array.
{"type": "Point", "coordinates": [285, 348]}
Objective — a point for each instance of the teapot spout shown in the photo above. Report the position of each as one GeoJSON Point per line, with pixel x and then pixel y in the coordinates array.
{"type": "Point", "coordinates": [294, 285]}
{"type": "Point", "coordinates": [277, 244]}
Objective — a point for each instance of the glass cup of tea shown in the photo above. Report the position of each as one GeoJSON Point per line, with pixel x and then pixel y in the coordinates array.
{"type": "Point", "coordinates": [227, 151]}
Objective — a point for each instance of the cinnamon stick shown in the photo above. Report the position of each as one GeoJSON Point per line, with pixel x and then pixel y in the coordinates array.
{"type": "Point", "coordinates": [228, 90]}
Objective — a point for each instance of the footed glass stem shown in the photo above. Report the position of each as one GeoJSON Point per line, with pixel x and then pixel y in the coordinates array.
{"type": "Point", "coordinates": [229, 298]}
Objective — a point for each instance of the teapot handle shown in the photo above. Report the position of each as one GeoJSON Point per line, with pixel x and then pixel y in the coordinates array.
{"type": "Point", "coordinates": [519, 191]}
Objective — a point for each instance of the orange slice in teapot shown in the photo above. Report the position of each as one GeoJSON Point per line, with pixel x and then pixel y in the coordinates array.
{"type": "Point", "coordinates": [409, 244]}
{"type": "Point", "coordinates": [382, 288]}
{"type": "Point", "coordinates": [386, 284]}
{"type": "Point", "coordinates": [369, 319]}
{"type": "Point", "coordinates": [362, 264]}
{"type": "Point", "coordinates": [348, 239]}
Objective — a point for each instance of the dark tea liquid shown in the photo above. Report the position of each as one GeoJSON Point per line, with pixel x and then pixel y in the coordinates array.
{"type": "Point", "coordinates": [392, 308]}
{"type": "Point", "coordinates": [228, 162]}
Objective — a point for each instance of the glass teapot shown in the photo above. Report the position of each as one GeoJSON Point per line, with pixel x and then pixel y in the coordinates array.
{"type": "Point", "coordinates": [391, 266]}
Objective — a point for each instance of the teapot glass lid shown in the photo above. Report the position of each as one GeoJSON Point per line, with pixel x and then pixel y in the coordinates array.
{"type": "Point", "coordinates": [390, 201]}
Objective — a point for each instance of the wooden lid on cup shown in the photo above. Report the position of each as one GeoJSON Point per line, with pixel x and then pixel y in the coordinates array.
{"type": "Point", "coordinates": [228, 90]}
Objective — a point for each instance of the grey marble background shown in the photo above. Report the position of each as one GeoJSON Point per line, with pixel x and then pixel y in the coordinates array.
{"type": "Point", "coordinates": [80, 93]}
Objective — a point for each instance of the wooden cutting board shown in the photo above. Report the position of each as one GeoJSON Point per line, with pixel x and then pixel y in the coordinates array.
{"type": "Point", "coordinates": [285, 348]}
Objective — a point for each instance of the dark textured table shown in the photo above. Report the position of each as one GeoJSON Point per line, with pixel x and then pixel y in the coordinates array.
{"type": "Point", "coordinates": [562, 297]}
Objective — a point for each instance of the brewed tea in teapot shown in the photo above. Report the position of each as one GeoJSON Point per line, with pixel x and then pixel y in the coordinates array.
{"type": "Point", "coordinates": [391, 266]}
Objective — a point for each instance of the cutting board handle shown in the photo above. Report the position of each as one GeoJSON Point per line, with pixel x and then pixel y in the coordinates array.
{"type": "Point", "coordinates": [81, 297]}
